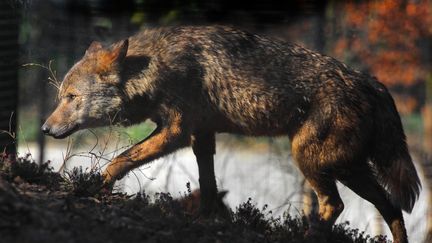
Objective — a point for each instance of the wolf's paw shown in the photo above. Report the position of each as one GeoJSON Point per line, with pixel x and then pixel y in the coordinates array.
{"type": "Point", "coordinates": [318, 231]}
{"type": "Point", "coordinates": [216, 211]}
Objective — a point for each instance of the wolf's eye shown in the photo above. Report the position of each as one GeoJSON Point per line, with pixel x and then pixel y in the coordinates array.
{"type": "Point", "coordinates": [70, 96]}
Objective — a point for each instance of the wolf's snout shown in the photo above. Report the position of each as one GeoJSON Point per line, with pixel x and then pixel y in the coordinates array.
{"type": "Point", "coordinates": [45, 129]}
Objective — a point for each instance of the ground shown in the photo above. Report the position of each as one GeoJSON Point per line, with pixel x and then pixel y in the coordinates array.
{"type": "Point", "coordinates": [38, 205]}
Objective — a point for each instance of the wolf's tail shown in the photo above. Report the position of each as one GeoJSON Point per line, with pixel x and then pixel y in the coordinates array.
{"type": "Point", "coordinates": [393, 163]}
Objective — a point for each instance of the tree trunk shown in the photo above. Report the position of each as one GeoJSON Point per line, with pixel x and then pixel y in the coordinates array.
{"type": "Point", "coordinates": [9, 19]}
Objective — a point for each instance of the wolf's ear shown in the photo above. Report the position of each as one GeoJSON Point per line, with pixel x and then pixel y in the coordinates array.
{"type": "Point", "coordinates": [94, 46]}
{"type": "Point", "coordinates": [113, 56]}
{"type": "Point", "coordinates": [118, 50]}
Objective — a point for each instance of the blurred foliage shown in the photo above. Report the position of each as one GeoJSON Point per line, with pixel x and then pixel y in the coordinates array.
{"type": "Point", "coordinates": [413, 123]}
{"type": "Point", "coordinates": [28, 127]}
{"type": "Point", "coordinates": [139, 132]}
{"type": "Point", "coordinates": [389, 36]}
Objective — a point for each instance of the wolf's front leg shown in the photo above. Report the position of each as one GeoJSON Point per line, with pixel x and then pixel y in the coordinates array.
{"type": "Point", "coordinates": [204, 148]}
{"type": "Point", "coordinates": [164, 140]}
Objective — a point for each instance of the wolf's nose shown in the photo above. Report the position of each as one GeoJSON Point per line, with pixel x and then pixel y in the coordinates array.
{"type": "Point", "coordinates": [45, 128]}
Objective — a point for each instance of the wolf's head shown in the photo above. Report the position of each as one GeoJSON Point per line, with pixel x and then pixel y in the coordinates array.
{"type": "Point", "coordinates": [89, 95]}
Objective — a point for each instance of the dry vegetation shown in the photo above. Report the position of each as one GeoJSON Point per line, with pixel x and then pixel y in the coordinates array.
{"type": "Point", "coordinates": [39, 205]}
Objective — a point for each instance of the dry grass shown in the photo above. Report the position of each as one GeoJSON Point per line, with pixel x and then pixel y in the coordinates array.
{"type": "Point", "coordinates": [35, 209]}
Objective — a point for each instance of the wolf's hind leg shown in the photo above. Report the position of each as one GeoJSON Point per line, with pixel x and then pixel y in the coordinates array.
{"type": "Point", "coordinates": [364, 184]}
{"type": "Point", "coordinates": [330, 207]}
{"type": "Point", "coordinates": [330, 203]}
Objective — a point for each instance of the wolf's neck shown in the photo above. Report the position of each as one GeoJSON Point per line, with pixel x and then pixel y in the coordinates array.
{"type": "Point", "coordinates": [141, 65]}
{"type": "Point", "coordinates": [139, 75]}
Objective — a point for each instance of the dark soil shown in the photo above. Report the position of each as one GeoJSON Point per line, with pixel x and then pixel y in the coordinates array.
{"type": "Point", "coordinates": [38, 205]}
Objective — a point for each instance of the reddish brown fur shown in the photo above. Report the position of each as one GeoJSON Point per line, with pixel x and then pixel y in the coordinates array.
{"type": "Point", "coordinates": [194, 82]}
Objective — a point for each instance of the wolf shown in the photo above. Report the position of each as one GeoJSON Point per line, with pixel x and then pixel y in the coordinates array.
{"type": "Point", "coordinates": [196, 81]}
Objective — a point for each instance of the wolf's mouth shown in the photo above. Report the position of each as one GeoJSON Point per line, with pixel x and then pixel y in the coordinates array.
{"type": "Point", "coordinates": [65, 131]}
